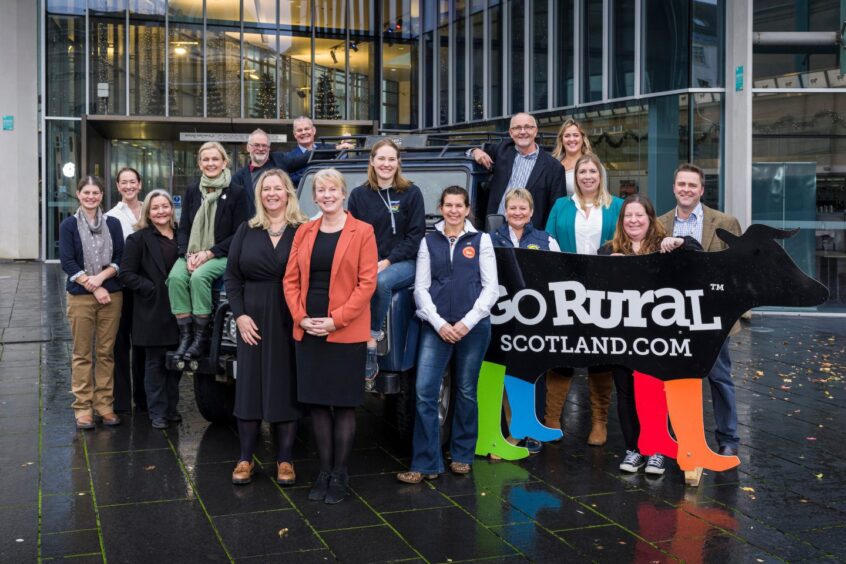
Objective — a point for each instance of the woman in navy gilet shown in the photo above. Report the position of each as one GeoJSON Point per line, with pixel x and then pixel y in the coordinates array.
{"type": "Point", "coordinates": [455, 287]}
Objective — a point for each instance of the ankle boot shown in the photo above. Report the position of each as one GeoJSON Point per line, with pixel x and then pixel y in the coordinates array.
{"type": "Point", "coordinates": [600, 385]}
{"type": "Point", "coordinates": [557, 388]}
{"type": "Point", "coordinates": [338, 488]}
{"type": "Point", "coordinates": [202, 337]}
{"type": "Point", "coordinates": [186, 334]}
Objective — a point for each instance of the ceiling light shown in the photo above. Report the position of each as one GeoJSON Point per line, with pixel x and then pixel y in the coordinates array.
{"type": "Point", "coordinates": [180, 50]}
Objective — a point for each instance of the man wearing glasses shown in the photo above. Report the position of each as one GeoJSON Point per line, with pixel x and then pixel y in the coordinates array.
{"type": "Point", "coordinates": [520, 163]}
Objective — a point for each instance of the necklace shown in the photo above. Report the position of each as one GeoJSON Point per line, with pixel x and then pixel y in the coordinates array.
{"type": "Point", "coordinates": [588, 204]}
{"type": "Point", "coordinates": [273, 233]}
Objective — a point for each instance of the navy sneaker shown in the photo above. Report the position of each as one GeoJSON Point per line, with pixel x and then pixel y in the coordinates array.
{"type": "Point", "coordinates": [531, 445]}
{"type": "Point", "coordinates": [656, 464]}
{"type": "Point", "coordinates": [633, 461]}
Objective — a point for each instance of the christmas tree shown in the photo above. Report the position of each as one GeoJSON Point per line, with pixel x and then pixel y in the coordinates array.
{"type": "Point", "coordinates": [265, 106]}
{"type": "Point", "coordinates": [215, 106]}
{"type": "Point", "coordinates": [325, 102]}
{"type": "Point", "coordinates": [156, 94]}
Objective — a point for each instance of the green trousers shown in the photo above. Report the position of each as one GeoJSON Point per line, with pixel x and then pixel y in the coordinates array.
{"type": "Point", "coordinates": [192, 292]}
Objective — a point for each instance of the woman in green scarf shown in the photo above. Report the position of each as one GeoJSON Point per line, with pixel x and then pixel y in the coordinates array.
{"type": "Point", "coordinates": [212, 210]}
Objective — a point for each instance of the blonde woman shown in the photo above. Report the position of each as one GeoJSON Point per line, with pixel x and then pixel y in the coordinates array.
{"type": "Point", "coordinates": [266, 387]}
{"type": "Point", "coordinates": [212, 210]}
{"type": "Point", "coordinates": [581, 224]}
{"type": "Point", "coordinates": [571, 143]}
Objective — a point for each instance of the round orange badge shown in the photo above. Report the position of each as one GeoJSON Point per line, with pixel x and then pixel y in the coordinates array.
{"type": "Point", "coordinates": [469, 252]}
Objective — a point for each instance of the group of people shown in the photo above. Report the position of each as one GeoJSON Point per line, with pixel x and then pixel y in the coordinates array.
{"type": "Point", "coordinates": [310, 297]}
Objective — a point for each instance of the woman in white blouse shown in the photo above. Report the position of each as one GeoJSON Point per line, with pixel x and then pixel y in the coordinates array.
{"type": "Point", "coordinates": [128, 375]}
{"type": "Point", "coordinates": [581, 224]}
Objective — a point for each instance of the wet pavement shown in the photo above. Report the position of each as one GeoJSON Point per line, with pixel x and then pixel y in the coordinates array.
{"type": "Point", "coordinates": [134, 494]}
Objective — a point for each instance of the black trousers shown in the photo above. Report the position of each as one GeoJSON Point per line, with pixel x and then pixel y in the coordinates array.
{"type": "Point", "coordinates": [626, 410]}
{"type": "Point", "coordinates": [129, 363]}
{"type": "Point", "coordinates": [162, 385]}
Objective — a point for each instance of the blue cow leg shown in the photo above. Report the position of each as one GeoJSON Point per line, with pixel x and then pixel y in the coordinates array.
{"type": "Point", "coordinates": [524, 419]}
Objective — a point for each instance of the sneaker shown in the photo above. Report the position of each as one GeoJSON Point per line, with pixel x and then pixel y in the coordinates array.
{"type": "Point", "coordinates": [633, 461]}
{"type": "Point", "coordinates": [160, 423]}
{"type": "Point", "coordinates": [531, 445]}
{"type": "Point", "coordinates": [656, 464]}
{"type": "Point", "coordinates": [371, 368]}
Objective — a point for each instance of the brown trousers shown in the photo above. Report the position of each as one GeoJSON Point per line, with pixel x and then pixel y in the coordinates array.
{"type": "Point", "coordinates": [94, 327]}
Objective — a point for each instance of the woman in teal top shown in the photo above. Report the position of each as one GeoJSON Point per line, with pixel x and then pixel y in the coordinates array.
{"type": "Point", "coordinates": [581, 224]}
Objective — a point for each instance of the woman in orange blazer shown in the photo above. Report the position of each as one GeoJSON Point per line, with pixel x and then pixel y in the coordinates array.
{"type": "Point", "coordinates": [329, 281]}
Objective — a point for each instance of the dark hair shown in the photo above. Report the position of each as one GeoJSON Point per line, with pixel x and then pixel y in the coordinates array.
{"type": "Point", "coordinates": [127, 169]}
{"type": "Point", "coordinates": [95, 180]}
{"type": "Point", "coordinates": [654, 235]}
{"type": "Point", "coordinates": [454, 191]}
{"type": "Point", "coordinates": [690, 167]}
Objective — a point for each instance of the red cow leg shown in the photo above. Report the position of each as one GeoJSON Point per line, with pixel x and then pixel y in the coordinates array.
{"type": "Point", "coordinates": [651, 404]}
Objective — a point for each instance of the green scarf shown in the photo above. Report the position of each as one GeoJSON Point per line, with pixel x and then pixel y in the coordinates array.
{"type": "Point", "coordinates": [202, 230]}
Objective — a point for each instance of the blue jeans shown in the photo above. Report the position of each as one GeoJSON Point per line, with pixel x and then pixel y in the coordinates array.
{"type": "Point", "coordinates": [399, 275]}
{"type": "Point", "coordinates": [722, 396]}
{"type": "Point", "coordinates": [432, 359]}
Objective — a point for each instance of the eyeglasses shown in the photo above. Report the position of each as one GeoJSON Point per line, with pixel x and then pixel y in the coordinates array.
{"type": "Point", "coordinates": [518, 128]}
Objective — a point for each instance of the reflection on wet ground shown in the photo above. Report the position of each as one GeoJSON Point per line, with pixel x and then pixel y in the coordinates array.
{"type": "Point", "coordinates": [131, 493]}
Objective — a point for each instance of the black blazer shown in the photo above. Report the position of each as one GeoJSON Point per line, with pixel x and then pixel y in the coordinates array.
{"type": "Point", "coordinates": [546, 183]}
{"type": "Point", "coordinates": [143, 270]}
{"type": "Point", "coordinates": [232, 211]}
{"type": "Point", "coordinates": [290, 163]}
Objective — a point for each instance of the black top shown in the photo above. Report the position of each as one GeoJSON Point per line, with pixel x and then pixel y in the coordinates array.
{"type": "Point", "coordinates": [287, 162]}
{"type": "Point", "coordinates": [170, 251]}
{"type": "Point", "coordinates": [690, 244]}
{"type": "Point", "coordinates": [409, 215]}
{"type": "Point", "coordinates": [322, 254]}
{"type": "Point", "coordinates": [232, 209]}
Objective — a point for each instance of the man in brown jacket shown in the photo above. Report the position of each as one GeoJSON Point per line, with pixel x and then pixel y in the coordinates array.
{"type": "Point", "coordinates": [692, 217]}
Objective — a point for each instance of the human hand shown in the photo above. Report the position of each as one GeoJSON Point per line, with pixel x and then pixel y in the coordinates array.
{"type": "Point", "coordinates": [447, 333]}
{"type": "Point", "coordinates": [461, 330]}
{"type": "Point", "coordinates": [669, 244]}
{"type": "Point", "coordinates": [382, 265]}
{"type": "Point", "coordinates": [311, 326]}
{"type": "Point", "coordinates": [91, 283]}
{"type": "Point", "coordinates": [248, 329]}
{"type": "Point", "coordinates": [482, 158]}
{"type": "Point", "coordinates": [103, 296]}
{"type": "Point", "coordinates": [325, 324]}
{"type": "Point", "coordinates": [345, 145]}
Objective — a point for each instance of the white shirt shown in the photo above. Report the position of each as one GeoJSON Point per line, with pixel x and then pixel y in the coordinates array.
{"type": "Point", "coordinates": [588, 229]}
{"type": "Point", "coordinates": [553, 244]}
{"type": "Point", "coordinates": [122, 213]}
{"type": "Point", "coordinates": [426, 309]}
{"type": "Point", "coordinates": [570, 176]}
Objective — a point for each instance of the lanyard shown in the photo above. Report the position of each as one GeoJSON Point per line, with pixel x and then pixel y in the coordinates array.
{"type": "Point", "coordinates": [390, 209]}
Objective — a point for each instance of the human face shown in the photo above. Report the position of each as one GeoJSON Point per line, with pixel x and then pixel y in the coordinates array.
{"type": "Point", "coordinates": [386, 163]}
{"type": "Point", "coordinates": [128, 186]}
{"type": "Point", "coordinates": [304, 133]}
{"type": "Point", "coordinates": [211, 163]}
{"type": "Point", "coordinates": [161, 212]}
{"type": "Point", "coordinates": [274, 195]}
{"type": "Point", "coordinates": [635, 221]}
{"type": "Point", "coordinates": [329, 197]}
{"type": "Point", "coordinates": [587, 176]}
{"type": "Point", "coordinates": [523, 131]}
{"type": "Point", "coordinates": [688, 190]}
{"type": "Point", "coordinates": [572, 140]}
{"type": "Point", "coordinates": [518, 213]}
{"type": "Point", "coordinates": [454, 211]}
{"type": "Point", "coordinates": [259, 149]}
{"type": "Point", "coordinates": [90, 197]}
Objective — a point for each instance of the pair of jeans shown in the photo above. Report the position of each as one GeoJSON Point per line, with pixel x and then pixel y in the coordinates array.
{"type": "Point", "coordinates": [191, 292]}
{"type": "Point", "coordinates": [433, 357]}
{"type": "Point", "coordinates": [722, 397]}
{"type": "Point", "coordinates": [161, 384]}
{"type": "Point", "coordinates": [398, 275]}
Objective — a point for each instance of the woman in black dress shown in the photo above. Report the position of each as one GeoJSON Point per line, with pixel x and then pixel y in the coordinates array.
{"type": "Point", "coordinates": [330, 279]}
{"type": "Point", "coordinates": [266, 384]}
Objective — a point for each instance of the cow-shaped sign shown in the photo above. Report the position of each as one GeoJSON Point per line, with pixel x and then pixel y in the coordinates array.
{"type": "Point", "coordinates": [666, 315]}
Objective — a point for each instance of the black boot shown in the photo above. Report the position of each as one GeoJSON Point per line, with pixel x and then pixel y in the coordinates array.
{"type": "Point", "coordinates": [186, 330]}
{"type": "Point", "coordinates": [321, 484]}
{"type": "Point", "coordinates": [202, 337]}
{"type": "Point", "coordinates": [338, 488]}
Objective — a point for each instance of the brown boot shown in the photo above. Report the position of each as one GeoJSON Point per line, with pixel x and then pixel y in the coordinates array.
{"type": "Point", "coordinates": [600, 385]}
{"type": "Point", "coordinates": [557, 388]}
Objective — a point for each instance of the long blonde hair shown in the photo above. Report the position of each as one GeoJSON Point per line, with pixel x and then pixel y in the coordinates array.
{"type": "Point", "coordinates": [603, 197]}
{"type": "Point", "coordinates": [559, 152]}
{"type": "Point", "coordinates": [144, 221]}
{"type": "Point", "coordinates": [293, 214]}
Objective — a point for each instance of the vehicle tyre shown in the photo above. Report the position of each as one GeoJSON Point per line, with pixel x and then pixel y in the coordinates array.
{"type": "Point", "coordinates": [215, 400]}
{"type": "Point", "coordinates": [404, 406]}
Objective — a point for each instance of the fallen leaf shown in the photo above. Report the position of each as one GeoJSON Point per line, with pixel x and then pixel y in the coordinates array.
{"type": "Point", "coordinates": [819, 476]}
{"type": "Point", "coordinates": [747, 489]}
{"type": "Point", "coordinates": [283, 532]}
{"type": "Point", "coordinates": [810, 438]}
{"type": "Point", "coordinates": [759, 373]}
{"type": "Point", "coordinates": [150, 467]}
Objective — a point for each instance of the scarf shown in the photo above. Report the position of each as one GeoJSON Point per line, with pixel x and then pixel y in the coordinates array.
{"type": "Point", "coordinates": [96, 242]}
{"type": "Point", "coordinates": [202, 230]}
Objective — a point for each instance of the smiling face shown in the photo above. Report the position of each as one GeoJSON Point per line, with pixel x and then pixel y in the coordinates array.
{"type": "Point", "coordinates": [635, 221]}
{"type": "Point", "coordinates": [588, 177]}
{"type": "Point", "coordinates": [304, 132]}
{"type": "Point", "coordinates": [688, 189]}
{"type": "Point", "coordinates": [128, 186]}
{"type": "Point", "coordinates": [573, 141]}
{"type": "Point", "coordinates": [90, 197]}
{"type": "Point", "coordinates": [328, 196]}
{"type": "Point", "coordinates": [518, 212]}
{"type": "Point", "coordinates": [161, 212]}
{"type": "Point", "coordinates": [258, 148]}
{"type": "Point", "coordinates": [386, 163]}
{"type": "Point", "coordinates": [523, 130]}
{"type": "Point", "coordinates": [274, 195]}
{"type": "Point", "coordinates": [211, 162]}
{"type": "Point", "coordinates": [454, 210]}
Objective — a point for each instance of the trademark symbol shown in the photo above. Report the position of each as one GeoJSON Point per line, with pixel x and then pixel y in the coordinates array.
{"type": "Point", "coordinates": [717, 287]}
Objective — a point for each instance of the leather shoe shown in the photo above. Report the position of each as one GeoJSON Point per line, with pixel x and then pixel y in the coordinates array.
{"type": "Point", "coordinates": [728, 450]}
{"type": "Point", "coordinates": [85, 422]}
{"type": "Point", "coordinates": [337, 490]}
{"type": "Point", "coordinates": [243, 473]}
{"type": "Point", "coordinates": [111, 420]}
{"type": "Point", "coordinates": [285, 475]}
{"type": "Point", "coordinates": [412, 477]}
{"type": "Point", "coordinates": [320, 486]}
